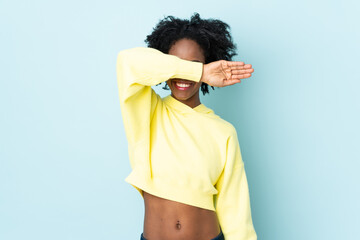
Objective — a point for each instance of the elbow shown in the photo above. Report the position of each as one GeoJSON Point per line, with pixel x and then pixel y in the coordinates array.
{"type": "Point", "coordinates": [131, 51]}
{"type": "Point", "coordinates": [122, 55]}
{"type": "Point", "coordinates": [128, 55]}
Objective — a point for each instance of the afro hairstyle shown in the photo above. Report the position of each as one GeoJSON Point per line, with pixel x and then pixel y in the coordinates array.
{"type": "Point", "coordinates": [212, 35]}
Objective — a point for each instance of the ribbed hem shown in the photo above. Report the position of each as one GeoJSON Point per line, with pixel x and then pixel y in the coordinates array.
{"type": "Point", "coordinates": [189, 70]}
{"type": "Point", "coordinates": [176, 193]}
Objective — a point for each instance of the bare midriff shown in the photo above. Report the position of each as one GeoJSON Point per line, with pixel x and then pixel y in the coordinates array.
{"type": "Point", "coordinates": [166, 219]}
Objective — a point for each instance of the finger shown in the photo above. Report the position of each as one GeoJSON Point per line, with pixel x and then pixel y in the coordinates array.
{"type": "Point", "coordinates": [240, 76]}
{"type": "Point", "coordinates": [245, 66]}
{"type": "Point", "coordinates": [231, 82]}
{"type": "Point", "coordinates": [235, 64]}
{"type": "Point", "coordinates": [242, 71]}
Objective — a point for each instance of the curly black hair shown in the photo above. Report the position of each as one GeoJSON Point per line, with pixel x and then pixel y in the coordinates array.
{"type": "Point", "coordinates": [212, 35]}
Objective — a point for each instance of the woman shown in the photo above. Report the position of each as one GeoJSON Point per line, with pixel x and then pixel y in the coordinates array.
{"type": "Point", "coordinates": [186, 160]}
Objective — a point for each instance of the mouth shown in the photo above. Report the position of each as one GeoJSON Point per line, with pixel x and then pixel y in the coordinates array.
{"type": "Point", "coordinates": [182, 85]}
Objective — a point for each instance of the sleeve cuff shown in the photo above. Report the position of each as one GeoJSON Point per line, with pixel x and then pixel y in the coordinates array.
{"type": "Point", "coordinates": [189, 70]}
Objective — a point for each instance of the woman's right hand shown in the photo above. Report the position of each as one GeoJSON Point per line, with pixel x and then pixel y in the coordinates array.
{"type": "Point", "coordinates": [225, 73]}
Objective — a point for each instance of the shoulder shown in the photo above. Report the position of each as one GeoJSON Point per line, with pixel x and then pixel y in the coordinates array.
{"type": "Point", "coordinates": [226, 128]}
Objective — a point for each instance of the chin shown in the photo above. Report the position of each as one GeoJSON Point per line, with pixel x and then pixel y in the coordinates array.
{"type": "Point", "coordinates": [181, 96]}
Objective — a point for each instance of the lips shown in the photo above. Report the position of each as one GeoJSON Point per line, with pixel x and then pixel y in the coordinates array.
{"type": "Point", "coordinates": [181, 85]}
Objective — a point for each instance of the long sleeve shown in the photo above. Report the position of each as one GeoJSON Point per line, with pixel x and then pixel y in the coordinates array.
{"type": "Point", "coordinates": [137, 70]}
{"type": "Point", "coordinates": [232, 202]}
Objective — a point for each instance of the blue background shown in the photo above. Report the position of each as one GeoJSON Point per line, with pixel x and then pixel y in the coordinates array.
{"type": "Point", "coordinates": [63, 149]}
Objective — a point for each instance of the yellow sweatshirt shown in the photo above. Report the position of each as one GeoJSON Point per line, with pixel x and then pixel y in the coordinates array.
{"type": "Point", "coordinates": [184, 154]}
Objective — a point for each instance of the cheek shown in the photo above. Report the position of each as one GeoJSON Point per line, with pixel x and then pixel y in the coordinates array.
{"type": "Point", "coordinates": [168, 82]}
{"type": "Point", "coordinates": [197, 86]}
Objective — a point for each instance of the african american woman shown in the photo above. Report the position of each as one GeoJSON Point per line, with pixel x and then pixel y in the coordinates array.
{"type": "Point", "coordinates": [186, 160]}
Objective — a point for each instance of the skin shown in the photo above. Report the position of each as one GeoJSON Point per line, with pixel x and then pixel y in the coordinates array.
{"type": "Point", "coordinates": [218, 74]}
{"type": "Point", "coordinates": [188, 50]}
{"type": "Point", "coordinates": [166, 219]}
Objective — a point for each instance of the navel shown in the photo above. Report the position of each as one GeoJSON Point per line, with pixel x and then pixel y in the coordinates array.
{"type": "Point", "coordinates": [178, 225]}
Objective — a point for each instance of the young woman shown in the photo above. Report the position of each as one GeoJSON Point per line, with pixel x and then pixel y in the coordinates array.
{"type": "Point", "coordinates": [186, 160]}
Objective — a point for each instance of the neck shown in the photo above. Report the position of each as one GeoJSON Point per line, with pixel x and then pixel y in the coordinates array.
{"type": "Point", "coordinates": [192, 102]}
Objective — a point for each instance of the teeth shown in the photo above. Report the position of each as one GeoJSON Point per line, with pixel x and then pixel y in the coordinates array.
{"type": "Point", "coordinates": [183, 84]}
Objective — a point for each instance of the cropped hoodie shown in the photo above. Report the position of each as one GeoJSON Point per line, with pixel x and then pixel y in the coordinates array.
{"type": "Point", "coordinates": [184, 154]}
